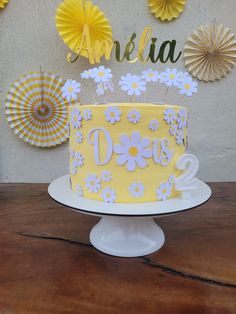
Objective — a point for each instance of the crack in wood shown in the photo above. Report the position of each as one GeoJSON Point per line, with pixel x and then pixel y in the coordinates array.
{"type": "Point", "coordinates": [45, 237]}
{"type": "Point", "coordinates": [175, 272]}
{"type": "Point", "coordinates": [146, 261]}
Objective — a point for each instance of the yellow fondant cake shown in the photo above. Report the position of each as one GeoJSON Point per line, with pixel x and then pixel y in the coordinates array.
{"type": "Point", "coordinates": [126, 153]}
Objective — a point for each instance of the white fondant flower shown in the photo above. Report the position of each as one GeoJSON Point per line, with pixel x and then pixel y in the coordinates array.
{"type": "Point", "coordinates": [106, 176]}
{"type": "Point", "coordinates": [150, 75]}
{"type": "Point", "coordinates": [134, 116]}
{"type": "Point", "coordinates": [71, 152]}
{"type": "Point", "coordinates": [79, 137]}
{"type": "Point", "coordinates": [164, 191]}
{"type": "Point", "coordinates": [76, 118]}
{"type": "Point", "coordinates": [87, 115]}
{"type": "Point", "coordinates": [79, 190]}
{"type": "Point", "coordinates": [170, 77]}
{"type": "Point", "coordinates": [132, 84]}
{"type": "Point", "coordinates": [171, 179]}
{"type": "Point", "coordinates": [133, 151]}
{"type": "Point", "coordinates": [182, 76]}
{"type": "Point", "coordinates": [179, 137]}
{"type": "Point", "coordinates": [86, 74]}
{"type": "Point", "coordinates": [136, 189]}
{"type": "Point", "coordinates": [70, 90]}
{"type": "Point", "coordinates": [101, 74]}
{"type": "Point", "coordinates": [108, 195]}
{"type": "Point", "coordinates": [169, 115]}
{"type": "Point", "coordinates": [173, 129]}
{"type": "Point", "coordinates": [100, 90]}
{"type": "Point", "coordinates": [188, 86]}
{"type": "Point", "coordinates": [73, 168]}
{"type": "Point", "coordinates": [112, 114]}
{"type": "Point", "coordinates": [182, 118]}
{"type": "Point", "coordinates": [93, 183]}
{"type": "Point", "coordinates": [78, 159]}
{"type": "Point", "coordinates": [153, 125]}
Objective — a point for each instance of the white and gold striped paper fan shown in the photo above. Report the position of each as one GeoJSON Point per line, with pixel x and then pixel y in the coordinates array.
{"type": "Point", "coordinates": [36, 110]}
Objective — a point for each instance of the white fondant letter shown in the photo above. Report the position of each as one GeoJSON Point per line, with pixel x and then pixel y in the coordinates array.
{"type": "Point", "coordinates": [164, 156]}
{"type": "Point", "coordinates": [95, 142]}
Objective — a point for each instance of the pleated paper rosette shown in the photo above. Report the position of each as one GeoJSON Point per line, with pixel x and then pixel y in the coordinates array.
{"type": "Point", "coordinates": [3, 3]}
{"type": "Point", "coordinates": [166, 10]}
{"type": "Point", "coordinates": [73, 16]}
{"type": "Point", "coordinates": [36, 110]}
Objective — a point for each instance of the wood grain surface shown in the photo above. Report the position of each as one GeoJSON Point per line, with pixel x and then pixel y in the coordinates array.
{"type": "Point", "coordinates": [47, 264]}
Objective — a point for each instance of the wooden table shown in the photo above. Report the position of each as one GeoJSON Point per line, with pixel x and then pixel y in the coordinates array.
{"type": "Point", "coordinates": [48, 266]}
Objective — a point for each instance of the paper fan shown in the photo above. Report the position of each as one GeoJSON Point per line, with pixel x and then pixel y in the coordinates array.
{"type": "Point", "coordinates": [166, 9]}
{"type": "Point", "coordinates": [71, 19]}
{"type": "Point", "coordinates": [210, 52]}
{"type": "Point", "coordinates": [36, 111]}
{"type": "Point", "coordinates": [2, 3]}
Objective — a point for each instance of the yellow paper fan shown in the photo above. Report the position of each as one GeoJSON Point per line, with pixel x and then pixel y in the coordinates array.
{"type": "Point", "coordinates": [2, 3]}
{"type": "Point", "coordinates": [36, 111]}
{"type": "Point", "coordinates": [210, 53]}
{"type": "Point", "coordinates": [71, 19]}
{"type": "Point", "coordinates": [166, 9]}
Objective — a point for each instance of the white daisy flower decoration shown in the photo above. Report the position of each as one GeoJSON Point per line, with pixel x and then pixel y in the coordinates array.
{"type": "Point", "coordinates": [136, 189]}
{"type": "Point", "coordinates": [171, 179]}
{"type": "Point", "coordinates": [101, 74]}
{"type": "Point", "coordinates": [76, 118]}
{"type": "Point", "coordinates": [106, 176]}
{"type": "Point", "coordinates": [134, 116]}
{"type": "Point", "coordinates": [93, 183]}
{"type": "Point", "coordinates": [78, 159]}
{"type": "Point", "coordinates": [71, 89]}
{"type": "Point", "coordinates": [108, 195]}
{"type": "Point", "coordinates": [87, 74]}
{"type": "Point", "coordinates": [153, 125]}
{"type": "Point", "coordinates": [79, 190]}
{"type": "Point", "coordinates": [87, 115]}
{"type": "Point", "coordinates": [173, 129]}
{"type": "Point", "coordinates": [150, 75]}
{"type": "Point", "coordinates": [100, 90]}
{"type": "Point", "coordinates": [132, 84]}
{"type": "Point", "coordinates": [71, 153]}
{"type": "Point", "coordinates": [182, 118]}
{"type": "Point", "coordinates": [188, 87]}
{"type": "Point", "coordinates": [169, 115]}
{"type": "Point", "coordinates": [170, 77]}
{"type": "Point", "coordinates": [79, 137]}
{"type": "Point", "coordinates": [182, 76]}
{"type": "Point", "coordinates": [73, 168]}
{"type": "Point", "coordinates": [133, 151]}
{"type": "Point", "coordinates": [112, 114]}
{"type": "Point", "coordinates": [109, 86]}
{"type": "Point", "coordinates": [164, 191]}
{"type": "Point", "coordinates": [179, 137]}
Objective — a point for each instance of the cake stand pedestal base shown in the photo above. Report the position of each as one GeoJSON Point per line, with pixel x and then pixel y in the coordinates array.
{"type": "Point", "coordinates": [127, 236]}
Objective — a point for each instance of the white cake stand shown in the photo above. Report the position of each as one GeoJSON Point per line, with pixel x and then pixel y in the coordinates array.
{"type": "Point", "coordinates": [126, 230]}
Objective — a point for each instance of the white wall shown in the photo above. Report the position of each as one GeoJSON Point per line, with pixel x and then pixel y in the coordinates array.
{"type": "Point", "coordinates": [28, 40]}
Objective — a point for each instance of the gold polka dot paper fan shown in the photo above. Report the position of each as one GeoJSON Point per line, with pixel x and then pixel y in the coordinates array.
{"type": "Point", "coordinates": [210, 53]}
{"type": "Point", "coordinates": [166, 9]}
{"type": "Point", "coordinates": [73, 16]}
{"type": "Point", "coordinates": [36, 111]}
{"type": "Point", "coordinates": [3, 3]}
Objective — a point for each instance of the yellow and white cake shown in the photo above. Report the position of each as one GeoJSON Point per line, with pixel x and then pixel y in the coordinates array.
{"type": "Point", "coordinates": [126, 153]}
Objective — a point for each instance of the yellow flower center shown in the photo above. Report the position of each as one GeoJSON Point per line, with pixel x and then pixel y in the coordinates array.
{"type": "Point", "coordinates": [92, 183]}
{"type": "Point", "coordinates": [108, 195]}
{"type": "Point", "coordinates": [134, 85]}
{"type": "Point", "coordinates": [101, 74]}
{"type": "Point", "coordinates": [70, 89]}
{"type": "Point", "coordinates": [150, 74]}
{"type": "Point", "coordinates": [187, 86]}
{"type": "Point", "coordinates": [172, 76]}
{"type": "Point", "coordinates": [133, 151]}
{"type": "Point", "coordinates": [136, 189]}
{"type": "Point", "coordinates": [164, 191]}
{"type": "Point", "coordinates": [112, 114]}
